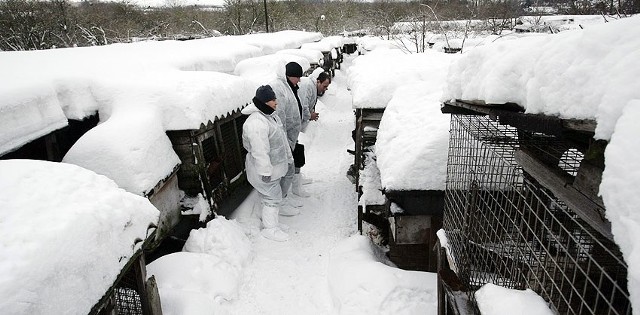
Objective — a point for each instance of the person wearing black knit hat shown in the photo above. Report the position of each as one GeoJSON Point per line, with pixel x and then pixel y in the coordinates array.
{"type": "Point", "coordinates": [268, 160]}
{"type": "Point", "coordinates": [293, 69]}
{"type": "Point", "coordinates": [291, 112]}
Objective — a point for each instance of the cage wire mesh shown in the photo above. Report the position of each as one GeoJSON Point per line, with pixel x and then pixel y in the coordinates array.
{"type": "Point", "coordinates": [127, 296]}
{"type": "Point", "coordinates": [505, 228]}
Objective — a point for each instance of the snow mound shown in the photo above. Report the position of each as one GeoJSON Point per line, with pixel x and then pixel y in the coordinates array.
{"type": "Point", "coordinates": [208, 271]}
{"type": "Point", "coordinates": [496, 300]}
{"type": "Point", "coordinates": [361, 282]}
{"type": "Point", "coordinates": [66, 234]}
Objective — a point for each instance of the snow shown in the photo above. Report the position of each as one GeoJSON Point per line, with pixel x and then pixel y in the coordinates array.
{"type": "Point", "coordinates": [66, 233]}
{"type": "Point", "coordinates": [325, 44]}
{"type": "Point", "coordinates": [208, 271]}
{"type": "Point", "coordinates": [139, 90]}
{"type": "Point", "coordinates": [496, 300]}
{"type": "Point", "coordinates": [142, 90]}
{"type": "Point", "coordinates": [413, 136]}
{"type": "Point", "coordinates": [264, 69]}
{"type": "Point", "coordinates": [362, 282]}
{"type": "Point", "coordinates": [586, 74]}
{"type": "Point", "coordinates": [367, 44]}
{"type": "Point", "coordinates": [375, 76]}
{"type": "Point", "coordinates": [313, 55]}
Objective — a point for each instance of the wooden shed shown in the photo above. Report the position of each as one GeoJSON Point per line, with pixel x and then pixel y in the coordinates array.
{"type": "Point", "coordinates": [522, 211]}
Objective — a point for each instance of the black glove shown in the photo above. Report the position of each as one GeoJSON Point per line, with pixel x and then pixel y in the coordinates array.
{"type": "Point", "coordinates": [266, 179]}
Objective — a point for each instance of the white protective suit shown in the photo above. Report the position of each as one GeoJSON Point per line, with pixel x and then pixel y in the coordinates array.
{"type": "Point", "coordinates": [308, 94]}
{"type": "Point", "coordinates": [268, 154]}
{"type": "Point", "coordinates": [288, 109]}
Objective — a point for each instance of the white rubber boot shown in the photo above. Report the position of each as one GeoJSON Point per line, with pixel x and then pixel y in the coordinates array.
{"type": "Point", "coordinates": [291, 201]}
{"type": "Point", "coordinates": [270, 221]}
{"type": "Point", "coordinates": [288, 211]}
{"type": "Point", "coordinates": [306, 180]}
{"type": "Point", "coordinates": [296, 186]}
{"type": "Point", "coordinates": [285, 228]}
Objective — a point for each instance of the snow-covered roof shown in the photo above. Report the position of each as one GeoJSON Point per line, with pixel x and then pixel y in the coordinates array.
{"type": "Point", "coordinates": [374, 77]}
{"type": "Point", "coordinates": [587, 74]}
{"type": "Point", "coordinates": [262, 70]}
{"type": "Point", "coordinates": [325, 44]}
{"type": "Point", "coordinates": [270, 43]}
{"type": "Point", "coordinates": [370, 43]}
{"type": "Point", "coordinates": [130, 145]}
{"type": "Point", "coordinates": [312, 55]}
{"type": "Point", "coordinates": [413, 136]}
{"type": "Point", "coordinates": [37, 84]}
{"type": "Point", "coordinates": [140, 90]}
{"type": "Point", "coordinates": [66, 234]}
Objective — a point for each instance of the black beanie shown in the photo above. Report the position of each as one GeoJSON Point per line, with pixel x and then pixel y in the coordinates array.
{"type": "Point", "coordinates": [293, 69]}
{"type": "Point", "coordinates": [265, 93]}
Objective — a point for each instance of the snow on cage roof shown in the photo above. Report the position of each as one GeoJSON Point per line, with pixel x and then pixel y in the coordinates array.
{"type": "Point", "coordinates": [325, 44]}
{"type": "Point", "coordinates": [36, 82]}
{"type": "Point", "coordinates": [270, 43]}
{"type": "Point", "coordinates": [66, 234]}
{"type": "Point", "coordinates": [374, 77]}
{"type": "Point", "coordinates": [370, 43]}
{"type": "Point", "coordinates": [312, 55]}
{"type": "Point", "coordinates": [586, 74]}
{"type": "Point", "coordinates": [262, 70]}
{"type": "Point", "coordinates": [413, 136]}
{"type": "Point", "coordinates": [131, 146]}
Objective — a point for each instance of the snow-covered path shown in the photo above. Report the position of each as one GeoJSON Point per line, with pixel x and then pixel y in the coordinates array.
{"type": "Point", "coordinates": [291, 277]}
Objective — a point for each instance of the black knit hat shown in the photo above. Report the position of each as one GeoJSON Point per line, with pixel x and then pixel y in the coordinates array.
{"type": "Point", "coordinates": [265, 93]}
{"type": "Point", "coordinates": [293, 69]}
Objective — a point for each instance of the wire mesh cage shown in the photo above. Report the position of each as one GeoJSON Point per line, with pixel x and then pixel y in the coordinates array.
{"type": "Point", "coordinates": [505, 228]}
{"type": "Point", "coordinates": [127, 295]}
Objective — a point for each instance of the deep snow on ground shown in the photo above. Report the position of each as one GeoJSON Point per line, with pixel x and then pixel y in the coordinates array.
{"type": "Point", "coordinates": [291, 277]}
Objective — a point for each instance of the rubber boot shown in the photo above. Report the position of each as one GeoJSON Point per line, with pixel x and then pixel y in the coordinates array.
{"type": "Point", "coordinates": [296, 186]}
{"type": "Point", "coordinates": [306, 180]}
{"type": "Point", "coordinates": [270, 222]}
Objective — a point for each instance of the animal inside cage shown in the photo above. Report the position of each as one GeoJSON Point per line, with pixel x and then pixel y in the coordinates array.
{"type": "Point", "coordinates": [504, 227]}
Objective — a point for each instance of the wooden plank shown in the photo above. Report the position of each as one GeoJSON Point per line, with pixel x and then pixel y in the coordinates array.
{"type": "Point", "coordinates": [513, 115]}
{"type": "Point", "coordinates": [585, 208]}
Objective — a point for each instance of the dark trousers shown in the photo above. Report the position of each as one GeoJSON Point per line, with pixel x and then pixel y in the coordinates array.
{"type": "Point", "coordinates": [298, 155]}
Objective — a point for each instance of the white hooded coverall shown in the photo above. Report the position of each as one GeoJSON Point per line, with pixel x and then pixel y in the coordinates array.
{"type": "Point", "coordinates": [268, 154]}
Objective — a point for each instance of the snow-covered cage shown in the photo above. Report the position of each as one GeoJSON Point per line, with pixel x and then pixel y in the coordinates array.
{"type": "Point", "coordinates": [314, 57]}
{"type": "Point", "coordinates": [75, 242]}
{"type": "Point", "coordinates": [522, 209]}
{"type": "Point", "coordinates": [331, 48]}
{"type": "Point", "coordinates": [212, 157]}
{"type": "Point", "coordinates": [349, 45]}
{"type": "Point", "coordinates": [53, 145]}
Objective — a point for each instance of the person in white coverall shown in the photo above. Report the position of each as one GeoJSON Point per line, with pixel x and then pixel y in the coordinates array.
{"type": "Point", "coordinates": [310, 88]}
{"type": "Point", "coordinates": [268, 160]}
{"type": "Point", "coordinates": [291, 113]}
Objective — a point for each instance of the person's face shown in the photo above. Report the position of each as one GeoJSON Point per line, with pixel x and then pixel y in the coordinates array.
{"type": "Point", "coordinates": [294, 80]}
{"type": "Point", "coordinates": [323, 86]}
{"type": "Point", "coordinates": [273, 104]}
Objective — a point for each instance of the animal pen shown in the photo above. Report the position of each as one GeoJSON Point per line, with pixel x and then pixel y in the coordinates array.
{"type": "Point", "coordinates": [522, 211]}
